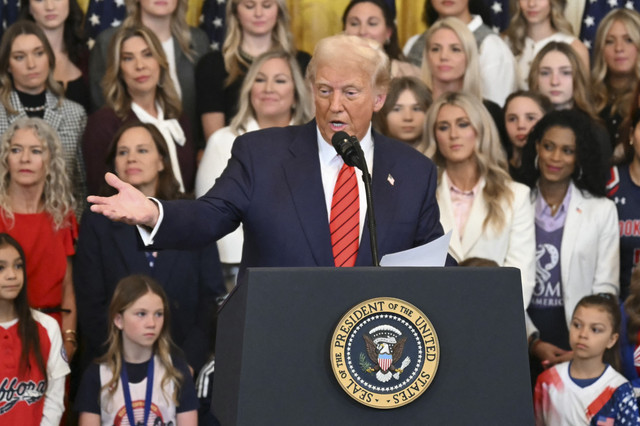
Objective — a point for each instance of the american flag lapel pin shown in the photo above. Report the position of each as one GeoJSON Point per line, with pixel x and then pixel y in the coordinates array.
{"type": "Point", "coordinates": [391, 180]}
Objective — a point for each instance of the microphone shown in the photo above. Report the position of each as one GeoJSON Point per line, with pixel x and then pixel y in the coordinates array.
{"type": "Point", "coordinates": [345, 146]}
{"type": "Point", "coordinates": [350, 150]}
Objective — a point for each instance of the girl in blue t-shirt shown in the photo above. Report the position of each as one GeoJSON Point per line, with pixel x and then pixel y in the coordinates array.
{"type": "Point", "coordinates": [138, 377]}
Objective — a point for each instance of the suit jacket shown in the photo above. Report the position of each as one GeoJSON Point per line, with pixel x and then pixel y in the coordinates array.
{"type": "Point", "coordinates": [590, 250]}
{"type": "Point", "coordinates": [69, 120]}
{"type": "Point", "coordinates": [109, 251]}
{"type": "Point", "coordinates": [185, 69]}
{"type": "Point", "coordinates": [273, 185]}
{"type": "Point", "coordinates": [514, 246]}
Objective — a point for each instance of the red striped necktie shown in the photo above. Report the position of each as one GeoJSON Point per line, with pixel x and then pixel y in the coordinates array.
{"type": "Point", "coordinates": [345, 218]}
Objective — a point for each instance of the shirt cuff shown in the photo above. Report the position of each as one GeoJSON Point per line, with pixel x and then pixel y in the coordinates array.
{"type": "Point", "coordinates": [146, 235]}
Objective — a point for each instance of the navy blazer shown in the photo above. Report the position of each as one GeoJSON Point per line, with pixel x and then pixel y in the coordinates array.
{"type": "Point", "coordinates": [272, 184]}
{"type": "Point", "coordinates": [109, 251]}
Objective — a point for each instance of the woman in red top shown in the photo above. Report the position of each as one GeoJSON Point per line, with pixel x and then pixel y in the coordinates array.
{"type": "Point", "coordinates": [36, 208]}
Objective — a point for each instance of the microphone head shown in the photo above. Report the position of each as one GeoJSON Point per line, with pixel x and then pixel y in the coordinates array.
{"type": "Point", "coordinates": [338, 140]}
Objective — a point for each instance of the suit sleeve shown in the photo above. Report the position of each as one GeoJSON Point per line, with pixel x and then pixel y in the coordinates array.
{"type": "Point", "coordinates": [216, 213]}
{"type": "Point", "coordinates": [429, 227]}
{"type": "Point", "coordinates": [521, 252]}
{"type": "Point", "coordinates": [607, 274]}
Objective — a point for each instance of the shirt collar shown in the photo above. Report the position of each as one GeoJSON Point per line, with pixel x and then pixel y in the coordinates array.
{"type": "Point", "coordinates": [542, 209]}
{"type": "Point", "coordinates": [328, 153]}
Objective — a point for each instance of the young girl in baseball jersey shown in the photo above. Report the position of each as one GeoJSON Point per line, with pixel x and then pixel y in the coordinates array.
{"type": "Point", "coordinates": [588, 390]}
{"type": "Point", "coordinates": [32, 364]}
{"type": "Point", "coordinates": [139, 381]}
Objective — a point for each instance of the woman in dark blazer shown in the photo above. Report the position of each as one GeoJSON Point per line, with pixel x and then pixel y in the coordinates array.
{"type": "Point", "coordinates": [108, 251]}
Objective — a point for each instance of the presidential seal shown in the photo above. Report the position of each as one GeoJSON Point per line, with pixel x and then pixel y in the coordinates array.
{"type": "Point", "coordinates": [384, 352]}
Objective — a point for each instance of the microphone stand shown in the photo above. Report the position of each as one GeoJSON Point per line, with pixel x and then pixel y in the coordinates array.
{"type": "Point", "coordinates": [371, 222]}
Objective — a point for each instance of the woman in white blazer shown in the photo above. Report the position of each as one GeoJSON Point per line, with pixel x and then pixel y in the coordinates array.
{"type": "Point", "coordinates": [577, 243]}
{"type": "Point", "coordinates": [490, 214]}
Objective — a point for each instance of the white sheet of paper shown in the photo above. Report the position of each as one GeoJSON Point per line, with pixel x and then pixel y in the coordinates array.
{"type": "Point", "coordinates": [434, 253]}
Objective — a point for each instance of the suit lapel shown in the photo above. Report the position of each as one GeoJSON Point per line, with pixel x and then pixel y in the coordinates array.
{"type": "Point", "coordinates": [52, 114]}
{"type": "Point", "coordinates": [446, 218]}
{"type": "Point", "coordinates": [573, 225]}
{"type": "Point", "coordinates": [474, 227]}
{"type": "Point", "coordinates": [305, 184]}
{"type": "Point", "coordinates": [381, 190]}
{"type": "Point", "coordinates": [126, 240]}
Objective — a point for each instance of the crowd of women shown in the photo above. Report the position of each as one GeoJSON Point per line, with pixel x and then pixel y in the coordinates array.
{"type": "Point", "coordinates": [537, 144]}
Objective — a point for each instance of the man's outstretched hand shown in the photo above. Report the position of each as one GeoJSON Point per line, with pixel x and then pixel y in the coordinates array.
{"type": "Point", "coordinates": [129, 205]}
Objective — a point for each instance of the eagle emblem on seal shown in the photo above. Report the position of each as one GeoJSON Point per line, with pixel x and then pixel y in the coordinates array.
{"type": "Point", "coordinates": [385, 345]}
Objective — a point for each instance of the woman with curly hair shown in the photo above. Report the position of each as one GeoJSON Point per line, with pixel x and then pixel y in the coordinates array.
{"type": "Point", "coordinates": [28, 88]}
{"type": "Point", "coordinates": [36, 208]}
{"type": "Point", "coordinates": [138, 86]}
{"type": "Point", "coordinates": [253, 28]}
{"type": "Point", "coordinates": [616, 68]}
{"type": "Point", "coordinates": [533, 25]}
{"type": "Point", "coordinates": [183, 46]}
{"type": "Point", "coordinates": [576, 230]}
{"type": "Point", "coordinates": [61, 21]}
{"type": "Point", "coordinates": [490, 214]}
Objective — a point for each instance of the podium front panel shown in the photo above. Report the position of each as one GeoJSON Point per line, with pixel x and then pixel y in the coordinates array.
{"type": "Point", "coordinates": [274, 332]}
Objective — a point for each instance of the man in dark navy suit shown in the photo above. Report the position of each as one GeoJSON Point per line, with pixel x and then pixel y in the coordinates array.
{"type": "Point", "coordinates": [280, 182]}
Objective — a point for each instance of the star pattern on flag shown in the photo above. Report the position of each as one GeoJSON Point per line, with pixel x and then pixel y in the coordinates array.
{"type": "Point", "coordinates": [119, 3]}
{"type": "Point", "coordinates": [94, 19]}
{"type": "Point", "coordinates": [212, 21]}
{"type": "Point", "coordinates": [215, 46]}
{"type": "Point", "coordinates": [217, 22]}
{"type": "Point", "coordinates": [589, 21]}
{"type": "Point", "coordinates": [116, 23]}
{"type": "Point", "coordinates": [595, 11]}
{"type": "Point", "coordinates": [496, 7]}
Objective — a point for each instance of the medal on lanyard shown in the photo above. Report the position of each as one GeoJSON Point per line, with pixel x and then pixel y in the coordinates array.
{"type": "Point", "coordinates": [127, 395]}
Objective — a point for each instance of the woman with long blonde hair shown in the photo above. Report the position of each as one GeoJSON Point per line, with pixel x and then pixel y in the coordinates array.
{"type": "Point", "coordinates": [451, 64]}
{"type": "Point", "coordinates": [138, 86]}
{"type": "Point", "coordinates": [490, 214]}
{"type": "Point", "coordinates": [183, 46]}
{"type": "Point", "coordinates": [253, 28]}
{"type": "Point", "coordinates": [533, 25]}
{"type": "Point", "coordinates": [616, 68]}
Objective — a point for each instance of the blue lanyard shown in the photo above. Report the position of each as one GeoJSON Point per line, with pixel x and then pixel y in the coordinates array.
{"type": "Point", "coordinates": [127, 395]}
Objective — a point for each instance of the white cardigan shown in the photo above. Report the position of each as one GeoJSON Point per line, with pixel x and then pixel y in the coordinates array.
{"type": "Point", "coordinates": [590, 250]}
{"type": "Point", "coordinates": [514, 246]}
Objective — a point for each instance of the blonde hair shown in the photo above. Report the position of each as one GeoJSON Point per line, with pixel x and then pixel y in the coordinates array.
{"type": "Point", "coordinates": [301, 108]}
{"type": "Point", "coordinates": [367, 53]}
{"type": "Point", "coordinates": [472, 82]}
{"type": "Point", "coordinates": [600, 87]}
{"type": "Point", "coordinates": [517, 30]}
{"type": "Point", "coordinates": [115, 89]}
{"type": "Point", "coordinates": [127, 292]}
{"type": "Point", "coordinates": [179, 27]}
{"type": "Point", "coordinates": [490, 158]}
{"type": "Point", "coordinates": [581, 95]}
{"type": "Point", "coordinates": [56, 194]}
{"type": "Point", "coordinates": [24, 27]}
{"type": "Point", "coordinates": [281, 39]}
